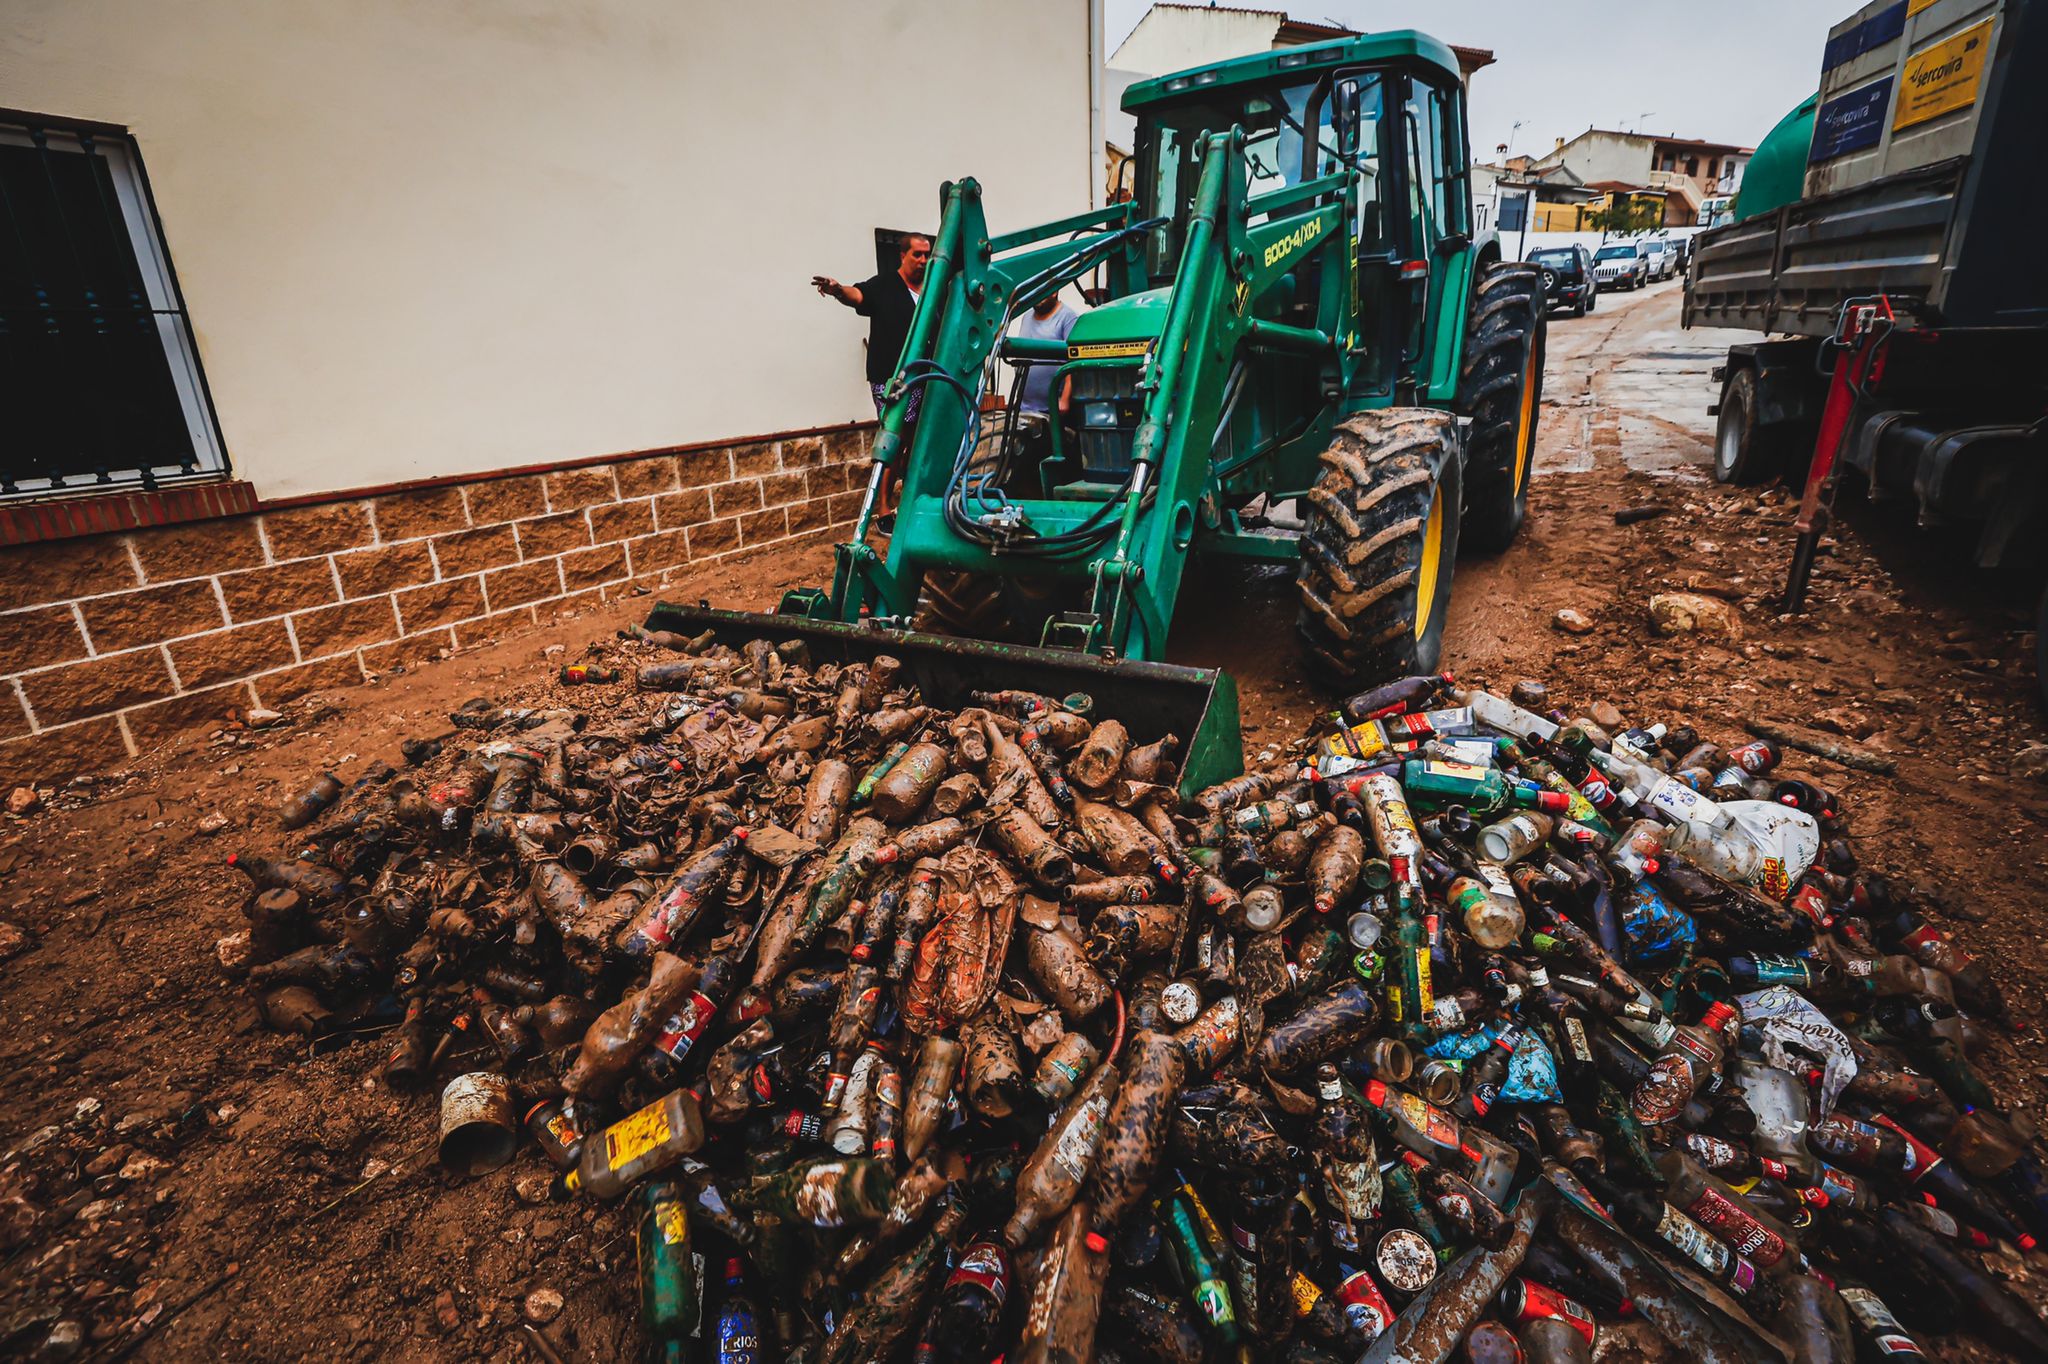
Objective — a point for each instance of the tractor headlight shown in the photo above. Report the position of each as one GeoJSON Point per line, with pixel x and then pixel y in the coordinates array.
{"type": "Point", "coordinates": [1099, 416]}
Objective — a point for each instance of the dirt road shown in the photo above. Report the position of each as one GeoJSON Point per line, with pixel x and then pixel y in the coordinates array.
{"type": "Point", "coordinates": [177, 1176]}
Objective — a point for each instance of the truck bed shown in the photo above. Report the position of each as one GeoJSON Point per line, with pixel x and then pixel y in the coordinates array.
{"type": "Point", "coordinates": [1790, 270]}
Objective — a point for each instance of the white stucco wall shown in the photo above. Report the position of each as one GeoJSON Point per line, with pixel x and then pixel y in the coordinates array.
{"type": "Point", "coordinates": [1168, 40]}
{"type": "Point", "coordinates": [1601, 156]}
{"type": "Point", "coordinates": [432, 237]}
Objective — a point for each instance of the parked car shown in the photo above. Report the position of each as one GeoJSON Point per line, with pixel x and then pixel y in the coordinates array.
{"type": "Point", "coordinates": [1568, 281]}
{"type": "Point", "coordinates": [1663, 258]}
{"type": "Point", "coordinates": [1625, 265]}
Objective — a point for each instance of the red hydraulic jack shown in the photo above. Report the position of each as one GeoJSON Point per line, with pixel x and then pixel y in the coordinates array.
{"type": "Point", "coordinates": [1862, 330]}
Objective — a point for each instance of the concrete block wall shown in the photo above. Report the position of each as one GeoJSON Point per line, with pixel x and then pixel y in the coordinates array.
{"type": "Point", "coordinates": [111, 644]}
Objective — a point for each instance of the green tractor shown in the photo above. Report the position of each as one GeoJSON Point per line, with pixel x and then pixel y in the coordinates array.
{"type": "Point", "coordinates": [1293, 310]}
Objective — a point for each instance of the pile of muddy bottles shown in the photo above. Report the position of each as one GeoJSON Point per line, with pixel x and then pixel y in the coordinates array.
{"type": "Point", "coordinates": [1472, 1029]}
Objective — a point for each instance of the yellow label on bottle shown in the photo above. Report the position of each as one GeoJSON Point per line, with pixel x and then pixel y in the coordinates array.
{"type": "Point", "coordinates": [630, 1138]}
{"type": "Point", "coordinates": [1306, 1294]}
{"type": "Point", "coordinates": [1423, 987]}
{"type": "Point", "coordinates": [1359, 741]}
{"type": "Point", "coordinates": [1394, 1004]}
{"type": "Point", "coordinates": [672, 1221]}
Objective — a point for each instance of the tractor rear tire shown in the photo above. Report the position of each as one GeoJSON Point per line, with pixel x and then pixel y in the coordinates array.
{"type": "Point", "coordinates": [1378, 545]}
{"type": "Point", "coordinates": [1501, 390]}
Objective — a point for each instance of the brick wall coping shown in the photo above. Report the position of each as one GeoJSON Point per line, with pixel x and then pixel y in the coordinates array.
{"type": "Point", "coordinates": [85, 512]}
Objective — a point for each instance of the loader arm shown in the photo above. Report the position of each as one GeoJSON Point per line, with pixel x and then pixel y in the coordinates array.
{"type": "Point", "coordinates": [1135, 543]}
{"type": "Point", "coordinates": [974, 285]}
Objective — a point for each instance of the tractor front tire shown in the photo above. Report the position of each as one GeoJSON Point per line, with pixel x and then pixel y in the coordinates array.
{"type": "Point", "coordinates": [1501, 390]}
{"type": "Point", "coordinates": [985, 605]}
{"type": "Point", "coordinates": [1378, 545]}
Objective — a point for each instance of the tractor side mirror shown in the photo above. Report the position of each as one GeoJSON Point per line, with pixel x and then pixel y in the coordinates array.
{"type": "Point", "coordinates": [1344, 105]}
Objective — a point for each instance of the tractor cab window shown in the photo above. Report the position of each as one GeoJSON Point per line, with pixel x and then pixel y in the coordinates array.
{"type": "Point", "coordinates": [1276, 155]}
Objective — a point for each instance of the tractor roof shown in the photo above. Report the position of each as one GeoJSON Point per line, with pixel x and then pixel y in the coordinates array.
{"type": "Point", "coordinates": [1287, 62]}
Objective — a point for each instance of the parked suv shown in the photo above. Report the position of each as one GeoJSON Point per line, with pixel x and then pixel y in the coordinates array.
{"type": "Point", "coordinates": [1568, 281]}
{"type": "Point", "coordinates": [1663, 258]}
{"type": "Point", "coordinates": [1625, 265]}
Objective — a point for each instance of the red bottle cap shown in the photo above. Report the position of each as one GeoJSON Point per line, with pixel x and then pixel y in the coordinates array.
{"type": "Point", "coordinates": [2027, 1242]}
{"type": "Point", "coordinates": [1097, 1242]}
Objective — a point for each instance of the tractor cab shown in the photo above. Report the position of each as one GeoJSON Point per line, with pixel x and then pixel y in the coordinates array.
{"type": "Point", "coordinates": [1373, 124]}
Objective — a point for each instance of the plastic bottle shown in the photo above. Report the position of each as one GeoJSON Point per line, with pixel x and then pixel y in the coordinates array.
{"type": "Point", "coordinates": [1691, 1056]}
{"type": "Point", "coordinates": [614, 1160]}
{"type": "Point", "coordinates": [1712, 1203]}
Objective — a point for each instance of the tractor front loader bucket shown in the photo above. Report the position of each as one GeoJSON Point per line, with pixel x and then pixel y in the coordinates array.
{"type": "Point", "coordinates": [1152, 699]}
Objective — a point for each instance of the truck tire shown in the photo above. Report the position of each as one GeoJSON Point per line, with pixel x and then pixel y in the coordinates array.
{"type": "Point", "coordinates": [1501, 390]}
{"type": "Point", "coordinates": [1378, 544]}
{"type": "Point", "coordinates": [1745, 451]}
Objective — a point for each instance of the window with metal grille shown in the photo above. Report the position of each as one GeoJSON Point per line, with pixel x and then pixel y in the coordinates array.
{"type": "Point", "coordinates": [100, 388]}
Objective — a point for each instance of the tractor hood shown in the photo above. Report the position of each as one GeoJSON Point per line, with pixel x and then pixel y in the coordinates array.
{"type": "Point", "coordinates": [1124, 327]}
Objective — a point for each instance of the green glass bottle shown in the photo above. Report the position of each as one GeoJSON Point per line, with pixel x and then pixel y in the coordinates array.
{"type": "Point", "coordinates": [1438, 782]}
{"type": "Point", "coordinates": [671, 1273]}
{"type": "Point", "coordinates": [1199, 1270]}
{"type": "Point", "coordinates": [1409, 993]}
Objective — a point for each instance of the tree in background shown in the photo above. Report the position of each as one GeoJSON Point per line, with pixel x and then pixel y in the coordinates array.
{"type": "Point", "coordinates": [1625, 213]}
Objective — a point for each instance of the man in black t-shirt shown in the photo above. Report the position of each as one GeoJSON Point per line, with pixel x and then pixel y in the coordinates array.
{"type": "Point", "coordinates": [887, 301]}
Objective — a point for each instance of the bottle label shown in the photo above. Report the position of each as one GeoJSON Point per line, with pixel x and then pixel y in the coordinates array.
{"type": "Point", "coordinates": [984, 1264]}
{"type": "Point", "coordinates": [1693, 1047]}
{"type": "Point", "coordinates": [1541, 1300]}
{"type": "Point", "coordinates": [1214, 1301]}
{"type": "Point", "coordinates": [685, 1026]}
{"type": "Point", "coordinates": [1365, 1307]}
{"type": "Point", "coordinates": [1691, 1240]}
{"type": "Point", "coordinates": [1712, 1152]}
{"type": "Point", "coordinates": [1359, 741]}
{"type": "Point", "coordinates": [817, 1197]}
{"type": "Point", "coordinates": [1497, 881]}
{"type": "Point", "coordinates": [1075, 1149]}
{"type": "Point", "coordinates": [672, 1222]}
{"type": "Point", "coordinates": [1782, 971]}
{"type": "Point", "coordinates": [630, 1138]}
{"type": "Point", "coordinates": [1877, 1320]}
{"type": "Point", "coordinates": [1575, 1034]}
{"type": "Point", "coordinates": [1728, 1221]}
{"type": "Point", "coordinates": [1306, 1294]}
{"type": "Point", "coordinates": [1435, 1126]}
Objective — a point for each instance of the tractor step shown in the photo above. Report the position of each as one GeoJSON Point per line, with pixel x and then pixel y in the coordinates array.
{"type": "Point", "coordinates": [1152, 699]}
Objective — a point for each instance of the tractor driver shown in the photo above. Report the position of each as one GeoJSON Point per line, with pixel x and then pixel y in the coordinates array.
{"type": "Point", "coordinates": [887, 301]}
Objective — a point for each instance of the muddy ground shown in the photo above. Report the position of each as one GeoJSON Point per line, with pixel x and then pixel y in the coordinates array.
{"type": "Point", "coordinates": [185, 1183]}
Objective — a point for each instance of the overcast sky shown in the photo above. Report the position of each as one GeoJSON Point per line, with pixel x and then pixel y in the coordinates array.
{"type": "Point", "coordinates": [1724, 71]}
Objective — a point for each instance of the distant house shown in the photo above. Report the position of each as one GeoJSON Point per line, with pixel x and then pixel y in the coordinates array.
{"type": "Point", "coordinates": [1686, 172]}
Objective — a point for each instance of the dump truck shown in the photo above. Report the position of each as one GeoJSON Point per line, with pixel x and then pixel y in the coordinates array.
{"type": "Point", "coordinates": [1905, 290]}
{"type": "Point", "coordinates": [1294, 310]}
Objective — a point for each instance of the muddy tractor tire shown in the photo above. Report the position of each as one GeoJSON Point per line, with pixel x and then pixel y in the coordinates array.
{"type": "Point", "coordinates": [983, 606]}
{"type": "Point", "coordinates": [1378, 544]}
{"type": "Point", "coordinates": [969, 605]}
{"type": "Point", "coordinates": [1501, 390]}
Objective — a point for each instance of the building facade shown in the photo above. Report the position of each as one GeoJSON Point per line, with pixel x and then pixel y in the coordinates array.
{"type": "Point", "coordinates": [1686, 170]}
{"type": "Point", "coordinates": [404, 322]}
